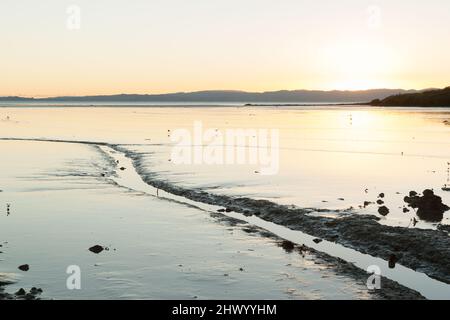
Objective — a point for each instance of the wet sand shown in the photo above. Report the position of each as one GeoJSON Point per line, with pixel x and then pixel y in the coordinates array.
{"type": "Point", "coordinates": [158, 249]}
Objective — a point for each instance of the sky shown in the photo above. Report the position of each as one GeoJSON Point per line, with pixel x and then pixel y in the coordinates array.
{"type": "Point", "coordinates": [87, 47]}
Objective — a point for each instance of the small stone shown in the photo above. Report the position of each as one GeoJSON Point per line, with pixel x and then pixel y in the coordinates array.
{"type": "Point", "coordinates": [381, 195]}
{"type": "Point", "coordinates": [384, 211]}
{"type": "Point", "coordinates": [317, 240]}
{"type": "Point", "coordinates": [21, 292]}
{"type": "Point", "coordinates": [96, 249]}
{"type": "Point", "coordinates": [392, 261]}
{"type": "Point", "coordinates": [288, 245]}
{"type": "Point", "coordinates": [35, 291]}
{"type": "Point", "coordinates": [24, 267]}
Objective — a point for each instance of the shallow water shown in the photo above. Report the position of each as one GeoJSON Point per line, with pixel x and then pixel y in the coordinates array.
{"type": "Point", "coordinates": [428, 287]}
{"type": "Point", "coordinates": [158, 249]}
{"type": "Point", "coordinates": [330, 158]}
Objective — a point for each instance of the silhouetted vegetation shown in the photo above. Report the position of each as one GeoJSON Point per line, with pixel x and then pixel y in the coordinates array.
{"type": "Point", "coordinates": [431, 98]}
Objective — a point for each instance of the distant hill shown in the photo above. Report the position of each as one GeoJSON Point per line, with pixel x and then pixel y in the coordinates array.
{"type": "Point", "coordinates": [295, 96]}
{"type": "Point", "coordinates": [430, 98]}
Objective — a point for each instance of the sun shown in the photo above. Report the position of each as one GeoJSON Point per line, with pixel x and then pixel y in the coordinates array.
{"type": "Point", "coordinates": [358, 66]}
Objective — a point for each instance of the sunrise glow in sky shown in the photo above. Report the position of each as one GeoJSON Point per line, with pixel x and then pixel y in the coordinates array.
{"type": "Point", "coordinates": [159, 46]}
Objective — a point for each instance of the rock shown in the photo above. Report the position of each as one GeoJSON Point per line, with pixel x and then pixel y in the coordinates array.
{"type": "Point", "coordinates": [392, 261]}
{"type": "Point", "coordinates": [24, 267]}
{"type": "Point", "coordinates": [288, 246]}
{"type": "Point", "coordinates": [429, 206]}
{"type": "Point", "coordinates": [21, 292]}
{"type": "Point", "coordinates": [228, 210]}
{"type": "Point", "coordinates": [367, 203]}
{"type": "Point", "coordinates": [412, 193]}
{"type": "Point", "coordinates": [317, 240]}
{"type": "Point", "coordinates": [405, 210]}
{"type": "Point", "coordinates": [221, 210]}
{"type": "Point", "coordinates": [381, 195]}
{"type": "Point", "coordinates": [35, 291]}
{"type": "Point", "coordinates": [122, 168]}
{"type": "Point", "coordinates": [96, 249]}
{"type": "Point", "coordinates": [384, 211]}
{"type": "Point", "coordinates": [380, 202]}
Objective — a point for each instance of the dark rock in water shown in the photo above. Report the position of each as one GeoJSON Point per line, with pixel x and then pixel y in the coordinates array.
{"type": "Point", "coordinates": [228, 210]}
{"type": "Point", "coordinates": [384, 211]}
{"type": "Point", "coordinates": [430, 207]}
{"type": "Point", "coordinates": [96, 249]}
{"type": "Point", "coordinates": [122, 168]}
{"type": "Point", "coordinates": [21, 292]}
{"type": "Point", "coordinates": [35, 290]}
{"type": "Point", "coordinates": [221, 210]}
{"type": "Point", "coordinates": [288, 246]}
{"type": "Point", "coordinates": [413, 193]}
{"type": "Point", "coordinates": [381, 195]}
{"type": "Point", "coordinates": [392, 261]}
{"type": "Point", "coordinates": [367, 203]}
{"type": "Point", "coordinates": [341, 199]}
{"type": "Point", "coordinates": [405, 210]}
{"type": "Point", "coordinates": [380, 202]}
{"type": "Point", "coordinates": [317, 240]}
{"type": "Point", "coordinates": [24, 267]}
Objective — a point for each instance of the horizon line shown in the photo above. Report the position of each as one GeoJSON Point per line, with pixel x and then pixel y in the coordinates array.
{"type": "Point", "coordinates": [37, 97]}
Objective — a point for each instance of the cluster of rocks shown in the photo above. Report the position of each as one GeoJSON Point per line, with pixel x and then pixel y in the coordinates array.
{"type": "Point", "coordinates": [429, 206]}
{"type": "Point", "coordinates": [21, 294]}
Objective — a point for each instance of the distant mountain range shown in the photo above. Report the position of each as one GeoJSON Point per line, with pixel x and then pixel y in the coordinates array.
{"type": "Point", "coordinates": [430, 98]}
{"type": "Point", "coordinates": [285, 96]}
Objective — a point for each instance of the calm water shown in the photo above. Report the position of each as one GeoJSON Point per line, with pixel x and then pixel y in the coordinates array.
{"type": "Point", "coordinates": [334, 158]}
{"type": "Point", "coordinates": [158, 249]}
{"type": "Point", "coordinates": [329, 158]}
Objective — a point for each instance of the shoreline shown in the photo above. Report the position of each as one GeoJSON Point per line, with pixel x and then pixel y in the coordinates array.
{"type": "Point", "coordinates": [349, 232]}
{"type": "Point", "coordinates": [426, 251]}
{"type": "Point", "coordinates": [423, 250]}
